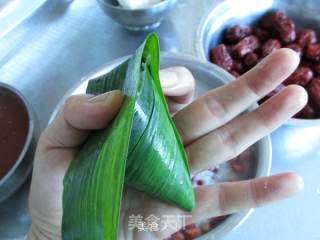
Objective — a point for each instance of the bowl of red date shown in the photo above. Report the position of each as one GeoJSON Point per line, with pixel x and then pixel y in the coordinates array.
{"type": "Point", "coordinates": [237, 35]}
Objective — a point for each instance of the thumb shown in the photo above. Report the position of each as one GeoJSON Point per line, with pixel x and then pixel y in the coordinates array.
{"type": "Point", "coordinates": [80, 114]}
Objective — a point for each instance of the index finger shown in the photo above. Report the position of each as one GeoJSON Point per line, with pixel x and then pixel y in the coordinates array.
{"type": "Point", "coordinates": [220, 105]}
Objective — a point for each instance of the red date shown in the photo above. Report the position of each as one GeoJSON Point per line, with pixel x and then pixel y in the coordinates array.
{"type": "Point", "coordinates": [245, 46]}
{"type": "Point", "coordinates": [316, 69]}
{"type": "Point", "coordinates": [306, 36]}
{"type": "Point", "coordinates": [285, 30]}
{"type": "Point", "coordinates": [206, 227]}
{"type": "Point", "coordinates": [302, 76]}
{"type": "Point", "coordinates": [308, 112]}
{"type": "Point", "coordinates": [236, 33]}
{"type": "Point", "coordinates": [235, 73]}
{"type": "Point", "coordinates": [177, 236]}
{"type": "Point", "coordinates": [237, 165]}
{"type": "Point", "coordinates": [220, 56]}
{"type": "Point", "coordinates": [281, 25]}
{"type": "Point", "coordinates": [270, 19]}
{"type": "Point", "coordinates": [262, 34]}
{"type": "Point", "coordinates": [192, 233]}
{"type": "Point", "coordinates": [296, 47]}
{"type": "Point", "coordinates": [200, 182]}
{"type": "Point", "coordinates": [229, 48]}
{"type": "Point", "coordinates": [313, 52]}
{"type": "Point", "coordinates": [314, 93]}
{"type": "Point", "coordinates": [270, 46]}
{"type": "Point", "coordinates": [238, 66]}
{"type": "Point", "coordinates": [215, 221]}
{"type": "Point", "coordinates": [251, 59]}
{"type": "Point", "coordinates": [307, 63]}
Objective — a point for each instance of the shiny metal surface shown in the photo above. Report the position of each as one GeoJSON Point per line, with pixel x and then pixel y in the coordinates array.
{"type": "Point", "coordinates": [63, 40]}
{"type": "Point", "coordinates": [209, 34]}
{"type": "Point", "coordinates": [13, 12]}
{"type": "Point", "coordinates": [138, 19]}
{"type": "Point", "coordinates": [208, 77]}
{"type": "Point", "coordinates": [22, 167]}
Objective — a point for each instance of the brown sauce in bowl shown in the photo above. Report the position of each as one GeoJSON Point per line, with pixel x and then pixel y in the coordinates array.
{"type": "Point", "coordinates": [14, 126]}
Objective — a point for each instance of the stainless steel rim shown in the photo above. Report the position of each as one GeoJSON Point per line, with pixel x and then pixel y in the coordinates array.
{"type": "Point", "coordinates": [157, 5]}
{"type": "Point", "coordinates": [201, 33]}
{"type": "Point", "coordinates": [144, 28]}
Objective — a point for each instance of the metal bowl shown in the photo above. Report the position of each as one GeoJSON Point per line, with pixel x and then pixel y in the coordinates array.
{"type": "Point", "coordinates": [143, 19]}
{"type": "Point", "coordinates": [22, 167]}
{"type": "Point", "coordinates": [208, 76]}
{"type": "Point", "coordinates": [228, 13]}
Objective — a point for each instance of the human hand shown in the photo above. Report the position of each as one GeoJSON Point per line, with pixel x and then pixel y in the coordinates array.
{"type": "Point", "coordinates": [211, 133]}
{"type": "Point", "coordinates": [62, 138]}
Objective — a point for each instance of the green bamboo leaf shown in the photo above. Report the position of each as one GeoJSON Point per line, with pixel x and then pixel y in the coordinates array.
{"type": "Point", "coordinates": [141, 148]}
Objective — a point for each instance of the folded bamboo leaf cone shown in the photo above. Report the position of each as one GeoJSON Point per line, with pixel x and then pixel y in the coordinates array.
{"type": "Point", "coordinates": [140, 148]}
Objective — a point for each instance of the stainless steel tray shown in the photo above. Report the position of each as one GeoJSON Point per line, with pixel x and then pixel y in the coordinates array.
{"type": "Point", "coordinates": [45, 55]}
{"type": "Point", "coordinates": [257, 158]}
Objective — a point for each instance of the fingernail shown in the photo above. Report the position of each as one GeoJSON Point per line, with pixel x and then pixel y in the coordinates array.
{"type": "Point", "coordinates": [294, 54]}
{"type": "Point", "coordinates": [105, 97]}
{"type": "Point", "coordinates": [303, 98]}
{"type": "Point", "coordinates": [169, 79]}
{"type": "Point", "coordinates": [291, 184]}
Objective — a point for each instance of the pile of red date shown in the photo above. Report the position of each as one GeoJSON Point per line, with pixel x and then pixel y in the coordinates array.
{"type": "Point", "coordinates": [243, 47]}
{"type": "Point", "coordinates": [193, 231]}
